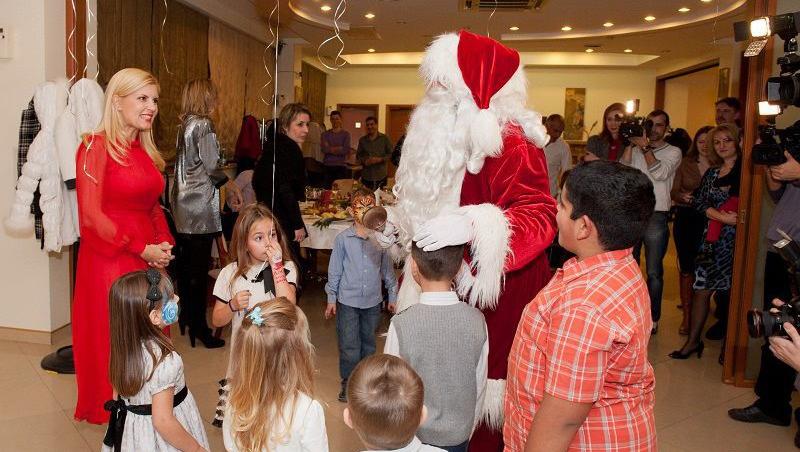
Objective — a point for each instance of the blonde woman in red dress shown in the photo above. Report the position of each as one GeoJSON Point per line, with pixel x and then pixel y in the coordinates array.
{"type": "Point", "coordinates": [122, 225]}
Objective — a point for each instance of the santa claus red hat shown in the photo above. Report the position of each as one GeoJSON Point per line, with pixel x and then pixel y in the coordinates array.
{"type": "Point", "coordinates": [488, 78]}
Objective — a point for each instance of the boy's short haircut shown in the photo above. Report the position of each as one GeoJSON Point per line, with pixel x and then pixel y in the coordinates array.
{"type": "Point", "coordinates": [335, 113]}
{"type": "Point", "coordinates": [619, 200]}
{"type": "Point", "coordinates": [731, 102]}
{"type": "Point", "coordinates": [439, 265]}
{"type": "Point", "coordinates": [385, 397]}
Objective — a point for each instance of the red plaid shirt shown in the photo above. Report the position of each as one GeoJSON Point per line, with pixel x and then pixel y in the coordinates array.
{"type": "Point", "coordinates": [584, 339]}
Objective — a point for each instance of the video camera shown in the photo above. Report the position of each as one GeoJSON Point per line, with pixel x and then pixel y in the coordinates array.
{"type": "Point", "coordinates": [781, 91]}
{"type": "Point", "coordinates": [766, 323]}
{"type": "Point", "coordinates": [632, 125]}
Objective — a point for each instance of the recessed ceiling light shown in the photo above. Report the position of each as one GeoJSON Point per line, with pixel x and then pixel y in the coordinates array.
{"type": "Point", "coordinates": [513, 28]}
{"type": "Point", "coordinates": [566, 28]}
{"type": "Point", "coordinates": [650, 18]}
{"type": "Point", "coordinates": [706, 1]}
{"type": "Point", "coordinates": [369, 16]}
{"type": "Point", "coordinates": [371, 50]}
{"type": "Point", "coordinates": [627, 50]}
{"type": "Point", "coordinates": [684, 10]}
{"type": "Point", "coordinates": [325, 8]}
{"type": "Point", "coordinates": [589, 50]}
{"type": "Point", "coordinates": [608, 24]}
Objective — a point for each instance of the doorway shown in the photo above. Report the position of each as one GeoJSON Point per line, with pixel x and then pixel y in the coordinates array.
{"type": "Point", "coordinates": [397, 118]}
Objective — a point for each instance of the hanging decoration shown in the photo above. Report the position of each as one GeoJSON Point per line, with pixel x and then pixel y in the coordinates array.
{"type": "Point", "coordinates": [338, 61]}
{"type": "Point", "coordinates": [489, 21]}
{"type": "Point", "coordinates": [70, 44]}
{"type": "Point", "coordinates": [272, 43]}
{"type": "Point", "coordinates": [163, 24]}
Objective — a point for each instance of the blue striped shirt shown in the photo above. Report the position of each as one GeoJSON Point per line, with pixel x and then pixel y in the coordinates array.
{"type": "Point", "coordinates": [355, 271]}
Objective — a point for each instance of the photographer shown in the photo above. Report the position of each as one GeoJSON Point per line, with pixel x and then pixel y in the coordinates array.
{"type": "Point", "coordinates": [775, 379]}
{"type": "Point", "coordinates": [659, 160]}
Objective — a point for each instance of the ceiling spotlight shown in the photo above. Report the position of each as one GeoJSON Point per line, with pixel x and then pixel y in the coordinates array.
{"type": "Point", "coordinates": [650, 18]}
{"type": "Point", "coordinates": [514, 28]}
{"type": "Point", "coordinates": [369, 16]}
{"type": "Point", "coordinates": [628, 51]}
{"type": "Point", "coordinates": [325, 8]}
{"type": "Point", "coordinates": [566, 28]}
{"type": "Point", "coordinates": [706, 1]}
{"type": "Point", "coordinates": [684, 10]}
{"type": "Point", "coordinates": [589, 50]}
{"type": "Point", "coordinates": [608, 24]}
{"type": "Point", "coordinates": [371, 50]}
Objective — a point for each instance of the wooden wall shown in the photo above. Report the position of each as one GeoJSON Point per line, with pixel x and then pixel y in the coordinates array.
{"type": "Point", "coordinates": [314, 83]}
{"type": "Point", "coordinates": [129, 35]}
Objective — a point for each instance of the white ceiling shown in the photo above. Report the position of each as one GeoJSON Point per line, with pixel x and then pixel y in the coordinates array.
{"type": "Point", "coordinates": [409, 25]}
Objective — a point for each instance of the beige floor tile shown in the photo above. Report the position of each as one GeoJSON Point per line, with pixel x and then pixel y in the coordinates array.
{"type": "Point", "coordinates": [92, 434]}
{"type": "Point", "coordinates": [26, 399]}
{"type": "Point", "coordinates": [44, 432]}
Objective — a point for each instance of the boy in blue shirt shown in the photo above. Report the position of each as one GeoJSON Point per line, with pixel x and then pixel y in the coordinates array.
{"type": "Point", "coordinates": [356, 268]}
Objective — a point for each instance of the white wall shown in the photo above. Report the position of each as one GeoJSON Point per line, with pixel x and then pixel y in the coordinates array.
{"type": "Point", "coordinates": [546, 88]}
{"type": "Point", "coordinates": [35, 286]}
{"type": "Point", "coordinates": [689, 99]}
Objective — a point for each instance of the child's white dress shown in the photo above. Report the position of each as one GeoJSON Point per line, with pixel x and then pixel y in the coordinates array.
{"type": "Point", "coordinates": [258, 293]}
{"type": "Point", "coordinates": [140, 433]}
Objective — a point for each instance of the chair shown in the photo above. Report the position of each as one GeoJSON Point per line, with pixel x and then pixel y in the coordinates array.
{"type": "Point", "coordinates": [345, 185]}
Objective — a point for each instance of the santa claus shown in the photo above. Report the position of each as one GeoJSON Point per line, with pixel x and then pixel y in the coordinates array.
{"type": "Point", "coordinates": [473, 171]}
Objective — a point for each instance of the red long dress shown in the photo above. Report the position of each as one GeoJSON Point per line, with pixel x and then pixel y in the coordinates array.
{"type": "Point", "coordinates": [119, 214]}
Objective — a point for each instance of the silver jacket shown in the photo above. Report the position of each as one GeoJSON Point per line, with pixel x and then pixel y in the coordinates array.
{"type": "Point", "coordinates": [195, 193]}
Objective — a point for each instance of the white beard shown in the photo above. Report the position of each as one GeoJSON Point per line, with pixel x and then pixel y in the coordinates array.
{"type": "Point", "coordinates": [432, 165]}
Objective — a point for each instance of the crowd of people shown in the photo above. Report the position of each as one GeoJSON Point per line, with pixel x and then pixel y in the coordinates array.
{"type": "Point", "coordinates": [488, 352]}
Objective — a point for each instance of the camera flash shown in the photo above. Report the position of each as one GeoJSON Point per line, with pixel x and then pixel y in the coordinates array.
{"type": "Point", "coordinates": [630, 107]}
{"type": "Point", "coordinates": [767, 109]}
{"type": "Point", "coordinates": [760, 28]}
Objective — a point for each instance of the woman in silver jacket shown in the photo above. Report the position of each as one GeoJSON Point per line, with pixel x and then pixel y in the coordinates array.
{"type": "Point", "coordinates": [195, 205]}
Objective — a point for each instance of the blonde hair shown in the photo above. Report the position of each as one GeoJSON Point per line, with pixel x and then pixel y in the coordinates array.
{"type": "Point", "coordinates": [385, 396]}
{"type": "Point", "coordinates": [199, 98]}
{"type": "Point", "coordinates": [274, 365]}
{"type": "Point", "coordinates": [129, 312]}
{"type": "Point", "coordinates": [288, 114]}
{"type": "Point", "coordinates": [124, 83]}
{"type": "Point", "coordinates": [249, 216]}
{"type": "Point", "coordinates": [713, 158]}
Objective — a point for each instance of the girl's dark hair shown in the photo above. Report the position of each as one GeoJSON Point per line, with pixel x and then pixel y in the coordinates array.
{"type": "Point", "coordinates": [605, 134]}
{"type": "Point", "coordinates": [680, 139]}
{"type": "Point", "coordinates": [131, 328]}
{"type": "Point", "coordinates": [619, 200]}
{"type": "Point", "coordinates": [693, 150]}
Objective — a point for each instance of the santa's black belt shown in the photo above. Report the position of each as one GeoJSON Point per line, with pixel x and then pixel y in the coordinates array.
{"type": "Point", "coordinates": [119, 411]}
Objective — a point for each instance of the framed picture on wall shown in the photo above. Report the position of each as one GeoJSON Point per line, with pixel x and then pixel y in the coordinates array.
{"type": "Point", "coordinates": [574, 112]}
{"type": "Point", "coordinates": [724, 82]}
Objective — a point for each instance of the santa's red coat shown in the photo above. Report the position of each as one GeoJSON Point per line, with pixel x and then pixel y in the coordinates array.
{"type": "Point", "coordinates": [516, 181]}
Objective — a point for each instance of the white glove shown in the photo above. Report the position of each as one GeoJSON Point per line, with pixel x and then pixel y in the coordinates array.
{"type": "Point", "coordinates": [388, 236]}
{"type": "Point", "coordinates": [445, 230]}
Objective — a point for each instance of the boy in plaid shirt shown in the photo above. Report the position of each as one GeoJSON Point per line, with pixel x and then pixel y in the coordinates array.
{"type": "Point", "coordinates": [578, 375]}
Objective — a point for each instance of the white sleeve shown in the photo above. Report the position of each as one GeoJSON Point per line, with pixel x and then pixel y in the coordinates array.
{"type": "Point", "coordinates": [315, 437]}
{"type": "Point", "coordinates": [222, 286]}
{"type": "Point", "coordinates": [392, 346]}
{"type": "Point", "coordinates": [481, 375]}
{"type": "Point", "coordinates": [566, 159]}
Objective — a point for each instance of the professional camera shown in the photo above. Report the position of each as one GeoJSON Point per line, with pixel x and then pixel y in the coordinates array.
{"type": "Point", "coordinates": [635, 126]}
{"type": "Point", "coordinates": [766, 323]}
{"type": "Point", "coordinates": [774, 142]}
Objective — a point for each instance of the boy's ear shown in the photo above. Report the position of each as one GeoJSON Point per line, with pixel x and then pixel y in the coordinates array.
{"type": "Point", "coordinates": [424, 416]}
{"type": "Point", "coordinates": [586, 228]}
{"type": "Point", "coordinates": [414, 270]}
{"type": "Point", "coordinates": [347, 419]}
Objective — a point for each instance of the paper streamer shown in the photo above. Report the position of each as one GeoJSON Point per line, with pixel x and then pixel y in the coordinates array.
{"type": "Point", "coordinates": [340, 9]}
{"type": "Point", "coordinates": [273, 42]}
{"type": "Point", "coordinates": [164, 23]}
{"type": "Point", "coordinates": [489, 21]}
{"type": "Point", "coordinates": [69, 44]}
{"type": "Point", "coordinates": [89, 39]}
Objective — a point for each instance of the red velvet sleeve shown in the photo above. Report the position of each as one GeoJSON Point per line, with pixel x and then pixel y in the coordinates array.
{"type": "Point", "coordinates": [519, 185]}
{"type": "Point", "coordinates": [95, 225]}
{"type": "Point", "coordinates": [160, 226]}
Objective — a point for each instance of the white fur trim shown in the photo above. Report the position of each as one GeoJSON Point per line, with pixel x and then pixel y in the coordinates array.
{"type": "Point", "coordinates": [489, 250]}
{"type": "Point", "coordinates": [485, 139]}
{"type": "Point", "coordinates": [493, 410]}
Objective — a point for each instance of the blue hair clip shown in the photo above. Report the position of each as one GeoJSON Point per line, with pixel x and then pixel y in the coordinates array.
{"type": "Point", "coordinates": [255, 316]}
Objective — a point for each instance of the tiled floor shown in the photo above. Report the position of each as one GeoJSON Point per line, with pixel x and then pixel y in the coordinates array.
{"type": "Point", "coordinates": [691, 403]}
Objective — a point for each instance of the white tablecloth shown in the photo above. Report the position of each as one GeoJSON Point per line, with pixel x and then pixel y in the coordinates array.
{"type": "Point", "coordinates": [322, 239]}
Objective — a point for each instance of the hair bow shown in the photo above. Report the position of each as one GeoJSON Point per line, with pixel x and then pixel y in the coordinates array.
{"type": "Point", "coordinates": [153, 292]}
{"type": "Point", "coordinates": [255, 316]}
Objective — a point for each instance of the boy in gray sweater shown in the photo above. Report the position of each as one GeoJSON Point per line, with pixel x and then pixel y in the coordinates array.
{"type": "Point", "coordinates": [445, 341]}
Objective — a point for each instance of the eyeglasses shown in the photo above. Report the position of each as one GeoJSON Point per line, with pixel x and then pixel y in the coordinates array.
{"type": "Point", "coordinates": [723, 141]}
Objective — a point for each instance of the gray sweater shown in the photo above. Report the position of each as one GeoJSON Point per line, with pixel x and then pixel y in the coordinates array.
{"type": "Point", "coordinates": [427, 336]}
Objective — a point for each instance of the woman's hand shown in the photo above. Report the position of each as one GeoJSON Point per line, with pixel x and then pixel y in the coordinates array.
{"type": "Point", "coordinates": [728, 217]}
{"type": "Point", "coordinates": [686, 197]}
{"type": "Point", "coordinates": [589, 157]}
{"type": "Point", "coordinates": [787, 350]}
{"type": "Point", "coordinates": [157, 256]}
{"type": "Point", "coordinates": [235, 196]}
{"type": "Point", "coordinates": [241, 300]}
{"type": "Point", "coordinates": [300, 235]}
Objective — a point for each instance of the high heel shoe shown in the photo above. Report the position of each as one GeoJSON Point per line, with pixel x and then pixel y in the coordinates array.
{"type": "Point", "coordinates": [207, 339]}
{"type": "Point", "coordinates": [698, 349]}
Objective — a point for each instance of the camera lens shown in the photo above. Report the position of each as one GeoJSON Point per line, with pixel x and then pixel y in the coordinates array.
{"type": "Point", "coordinates": [755, 323]}
{"type": "Point", "coordinates": [784, 89]}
